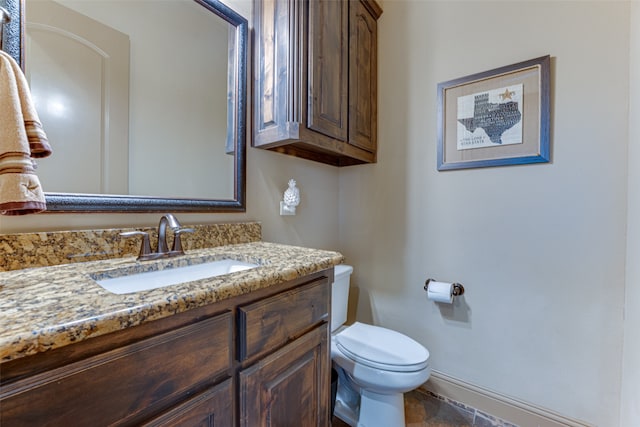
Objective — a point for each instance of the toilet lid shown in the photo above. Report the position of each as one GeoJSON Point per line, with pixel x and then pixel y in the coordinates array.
{"type": "Point", "coordinates": [382, 348]}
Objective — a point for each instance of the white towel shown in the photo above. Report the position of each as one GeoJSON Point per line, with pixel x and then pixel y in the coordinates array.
{"type": "Point", "coordinates": [21, 139]}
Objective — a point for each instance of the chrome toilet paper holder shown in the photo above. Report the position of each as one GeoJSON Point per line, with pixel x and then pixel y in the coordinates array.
{"type": "Point", "coordinates": [457, 288]}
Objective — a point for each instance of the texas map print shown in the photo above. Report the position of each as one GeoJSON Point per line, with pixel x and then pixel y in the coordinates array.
{"type": "Point", "coordinates": [491, 118]}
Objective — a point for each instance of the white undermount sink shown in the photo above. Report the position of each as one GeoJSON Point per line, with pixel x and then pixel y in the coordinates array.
{"type": "Point", "coordinates": [144, 281]}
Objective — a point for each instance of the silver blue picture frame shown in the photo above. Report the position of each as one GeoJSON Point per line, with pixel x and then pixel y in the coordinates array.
{"type": "Point", "coordinates": [498, 117]}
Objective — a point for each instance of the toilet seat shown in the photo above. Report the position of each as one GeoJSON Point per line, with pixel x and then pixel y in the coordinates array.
{"type": "Point", "coordinates": [382, 348]}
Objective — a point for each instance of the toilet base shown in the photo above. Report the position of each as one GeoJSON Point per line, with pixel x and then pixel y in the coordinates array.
{"type": "Point", "coordinates": [360, 407]}
{"type": "Point", "coordinates": [381, 409]}
{"type": "Point", "coordinates": [371, 409]}
{"type": "Point", "coordinates": [345, 414]}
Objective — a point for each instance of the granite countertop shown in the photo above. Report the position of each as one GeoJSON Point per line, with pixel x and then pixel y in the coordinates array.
{"type": "Point", "coordinates": [50, 307]}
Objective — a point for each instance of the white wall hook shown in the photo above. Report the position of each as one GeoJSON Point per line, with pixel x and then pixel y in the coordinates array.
{"type": "Point", "coordinates": [290, 200]}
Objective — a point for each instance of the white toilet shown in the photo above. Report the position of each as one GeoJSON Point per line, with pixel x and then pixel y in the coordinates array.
{"type": "Point", "coordinates": [375, 365]}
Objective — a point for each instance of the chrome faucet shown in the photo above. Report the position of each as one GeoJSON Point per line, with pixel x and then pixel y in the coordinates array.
{"type": "Point", "coordinates": [162, 247]}
{"type": "Point", "coordinates": [171, 221]}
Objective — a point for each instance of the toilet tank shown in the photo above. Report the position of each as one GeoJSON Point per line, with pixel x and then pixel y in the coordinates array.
{"type": "Point", "coordinates": [340, 295]}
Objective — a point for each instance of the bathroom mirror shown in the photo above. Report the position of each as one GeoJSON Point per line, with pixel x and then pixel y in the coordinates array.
{"type": "Point", "coordinates": [172, 165]}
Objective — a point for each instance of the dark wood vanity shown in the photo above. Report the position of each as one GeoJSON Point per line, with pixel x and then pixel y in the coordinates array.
{"type": "Point", "coordinates": [257, 359]}
{"type": "Point", "coordinates": [315, 79]}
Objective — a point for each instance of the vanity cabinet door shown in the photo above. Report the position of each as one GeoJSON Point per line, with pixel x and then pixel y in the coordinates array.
{"type": "Point", "coordinates": [290, 387]}
{"type": "Point", "coordinates": [212, 408]}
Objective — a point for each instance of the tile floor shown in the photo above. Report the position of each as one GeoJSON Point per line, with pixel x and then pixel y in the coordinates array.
{"type": "Point", "coordinates": [424, 409]}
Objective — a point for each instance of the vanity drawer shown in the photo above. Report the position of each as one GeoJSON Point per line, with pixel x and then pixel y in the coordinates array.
{"type": "Point", "coordinates": [127, 383]}
{"type": "Point", "coordinates": [214, 404]}
{"type": "Point", "coordinates": [274, 321]}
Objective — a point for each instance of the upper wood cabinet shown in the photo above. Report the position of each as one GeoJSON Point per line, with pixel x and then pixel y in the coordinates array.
{"type": "Point", "coordinates": [315, 87]}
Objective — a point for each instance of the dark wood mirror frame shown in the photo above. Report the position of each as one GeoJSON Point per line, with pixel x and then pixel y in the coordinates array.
{"type": "Point", "coordinates": [13, 42]}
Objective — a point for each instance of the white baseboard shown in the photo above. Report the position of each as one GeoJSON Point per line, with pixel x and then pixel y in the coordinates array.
{"type": "Point", "coordinates": [509, 409]}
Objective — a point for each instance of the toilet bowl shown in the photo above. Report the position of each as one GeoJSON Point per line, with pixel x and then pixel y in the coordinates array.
{"type": "Point", "coordinates": [375, 365]}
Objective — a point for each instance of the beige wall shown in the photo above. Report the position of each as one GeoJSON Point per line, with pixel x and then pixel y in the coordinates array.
{"type": "Point", "coordinates": [630, 407]}
{"type": "Point", "coordinates": [539, 248]}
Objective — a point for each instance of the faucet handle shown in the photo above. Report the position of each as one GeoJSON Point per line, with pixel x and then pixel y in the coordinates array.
{"type": "Point", "coordinates": [177, 241]}
{"type": "Point", "coordinates": [145, 247]}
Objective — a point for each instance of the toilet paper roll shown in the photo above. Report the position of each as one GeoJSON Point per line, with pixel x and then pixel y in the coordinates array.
{"type": "Point", "coordinates": [440, 292]}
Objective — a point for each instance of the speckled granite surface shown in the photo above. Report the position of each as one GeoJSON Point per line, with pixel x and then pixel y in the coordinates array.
{"type": "Point", "coordinates": [26, 250]}
{"type": "Point", "coordinates": [50, 307]}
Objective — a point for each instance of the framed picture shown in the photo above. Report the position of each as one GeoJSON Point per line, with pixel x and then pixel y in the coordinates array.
{"type": "Point", "coordinates": [495, 118]}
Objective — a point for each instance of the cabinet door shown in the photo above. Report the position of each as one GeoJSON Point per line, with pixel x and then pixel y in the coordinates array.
{"type": "Point", "coordinates": [328, 68]}
{"type": "Point", "coordinates": [212, 408]}
{"type": "Point", "coordinates": [363, 78]}
{"type": "Point", "coordinates": [290, 387]}
{"type": "Point", "coordinates": [277, 65]}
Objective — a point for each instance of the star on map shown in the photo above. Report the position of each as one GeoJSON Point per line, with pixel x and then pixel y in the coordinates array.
{"type": "Point", "coordinates": [507, 94]}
